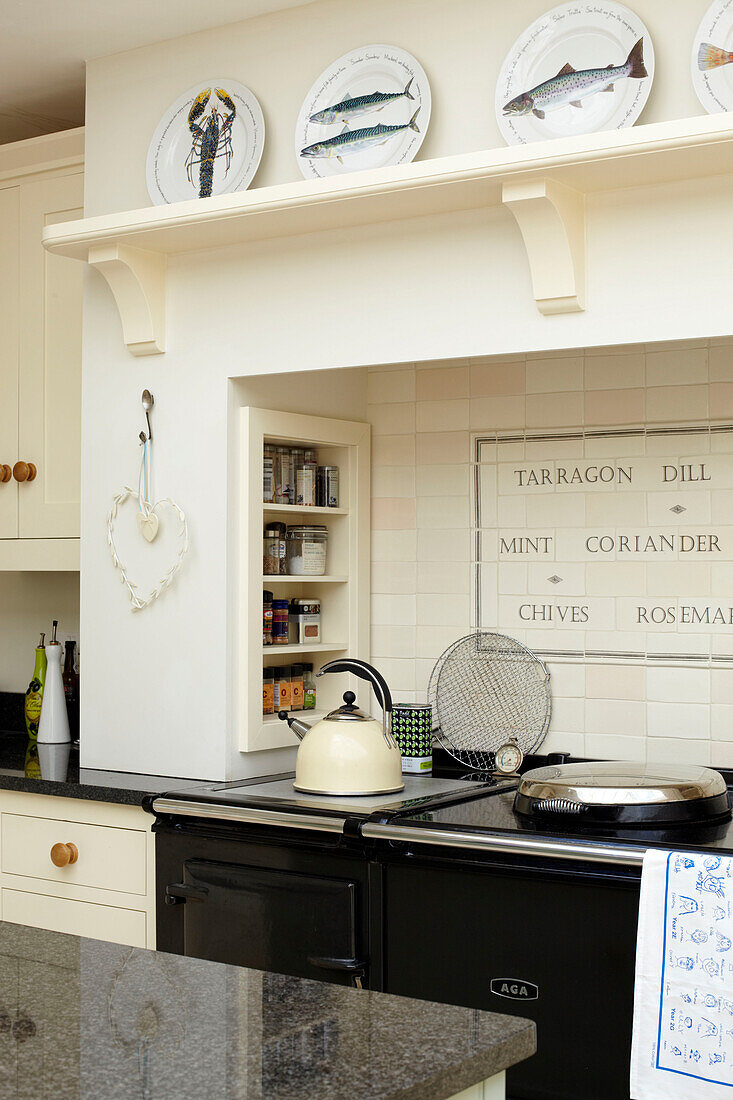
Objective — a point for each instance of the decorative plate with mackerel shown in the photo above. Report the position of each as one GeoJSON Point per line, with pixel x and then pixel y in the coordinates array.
{"type": "Point", "coordinates": [369, 109]}
{"type": "Point", "coordinates": [712, 58]}
{"type": "Point", "coordinates": [578, 69]}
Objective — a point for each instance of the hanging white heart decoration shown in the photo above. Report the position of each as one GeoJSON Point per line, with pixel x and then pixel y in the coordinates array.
{"type": "Point", "coordinates": [148, 523]}
{"type": "Point", "coordinates": [139, 602]}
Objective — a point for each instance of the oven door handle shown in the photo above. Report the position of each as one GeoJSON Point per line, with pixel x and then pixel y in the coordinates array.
{"type": "Point", "coordinates": [178, 892]}
{"type": "Point", "coordinates": [355, 967]}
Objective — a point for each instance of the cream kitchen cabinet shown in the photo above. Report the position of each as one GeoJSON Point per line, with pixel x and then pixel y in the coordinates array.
{"type": "Point", "coordinates": [41, 184]}
{"type": "Point", "coordinates": [81, 867]}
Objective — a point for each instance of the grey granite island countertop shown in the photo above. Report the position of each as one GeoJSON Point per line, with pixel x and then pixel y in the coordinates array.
{"type": "Point", "coordinates": [85, 1018]}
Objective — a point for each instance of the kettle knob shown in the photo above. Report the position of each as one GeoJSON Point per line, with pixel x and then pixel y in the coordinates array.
{"type": "Point", "coordinates": [349, 698]}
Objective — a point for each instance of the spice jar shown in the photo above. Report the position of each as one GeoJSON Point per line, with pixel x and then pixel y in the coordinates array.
{"type": "Point", "coordinates": [273, 550]}
{"type": "Point", "coordinates": [268, 691]}
{"type": "Point", "coordinates": [296, 687]}
{"type": "Point", "coordinates": [305, 621]}
{"type": "Point", "coordinates": [279, 622]}
{"type": "Point", "coordinates": [309, 688]}
{"type": "Point", "coordinates": [267, 618]}
{"type": "Point", "coordinates": [282, 688]}
{"type": "Point", "coordinates": [268, 474]}
{"type": "Point", "coordinates": [306, 550]}
{"type": "Point", "coordinates": [327, 487]}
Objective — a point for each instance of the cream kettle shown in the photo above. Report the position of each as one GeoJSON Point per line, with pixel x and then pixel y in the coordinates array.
{"type": "Point", "coordinates": [348, 752]}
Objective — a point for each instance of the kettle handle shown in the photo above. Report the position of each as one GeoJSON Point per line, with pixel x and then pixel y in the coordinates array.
{"type": "Point", "coordinates": [365, 672]}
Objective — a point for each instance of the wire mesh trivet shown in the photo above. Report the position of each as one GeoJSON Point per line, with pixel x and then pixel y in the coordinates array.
{"type": "Point", "coordinates": [487, 689]}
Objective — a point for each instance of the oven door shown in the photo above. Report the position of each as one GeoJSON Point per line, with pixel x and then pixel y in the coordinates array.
{"type": "Point", "coordinates": [281, 903]}
{"type": "Point", "coordinates": [556, 946]}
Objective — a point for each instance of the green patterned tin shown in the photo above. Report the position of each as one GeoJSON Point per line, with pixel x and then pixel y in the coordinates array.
{"type": "Point", "coordinates": [412, 726]}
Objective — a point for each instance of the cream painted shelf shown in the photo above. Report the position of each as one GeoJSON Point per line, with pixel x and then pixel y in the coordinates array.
{"type": "Point", "coordinates": [294, 510]}
{"type": "Point", "coordinates": [544, 185]}
{"type": "Point", "coordinates": [320, 647]}
{"type": "Point", "coordinates": [302, 579]}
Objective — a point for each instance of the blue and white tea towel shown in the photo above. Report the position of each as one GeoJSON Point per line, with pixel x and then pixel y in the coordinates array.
{"type": "Point", "coordinates": [683, 1002]}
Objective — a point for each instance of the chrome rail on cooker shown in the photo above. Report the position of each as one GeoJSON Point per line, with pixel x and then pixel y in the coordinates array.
{"type": "Point", "coordinates": [248, 815]}
{"type": "Point", "coordinates": [496, 843]}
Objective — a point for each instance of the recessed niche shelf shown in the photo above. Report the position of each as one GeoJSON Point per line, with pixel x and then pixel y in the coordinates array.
{"type": "Point", "coordinates": [544, 185]}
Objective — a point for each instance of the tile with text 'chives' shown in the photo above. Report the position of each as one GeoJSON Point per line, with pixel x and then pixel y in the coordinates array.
{"type": "Point", "coordinates": [571, 613]}
{"type": "Point", "coordinates": [678, 576]}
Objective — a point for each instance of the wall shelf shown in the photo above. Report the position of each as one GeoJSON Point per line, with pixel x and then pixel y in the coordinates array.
{"type": "Point", "coordinates": [320, 647]}
{"type": "Point", "coordinates": [544, 185]}
{"type": "Point", "coordinates": [292, 579]}
{"type": "Point", "coordinates": [299, 510]}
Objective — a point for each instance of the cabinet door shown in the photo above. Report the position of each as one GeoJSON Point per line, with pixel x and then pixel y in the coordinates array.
{"type": "Point", "coordinates": [49, 422]}
{"type": "Point", "coordinates": [9, 357]}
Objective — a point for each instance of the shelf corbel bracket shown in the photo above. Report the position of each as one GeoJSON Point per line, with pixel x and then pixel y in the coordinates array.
{"type": "Point", "coordinates": [136, 278]}
{"type": "Point", "coordinates": [551, 218]}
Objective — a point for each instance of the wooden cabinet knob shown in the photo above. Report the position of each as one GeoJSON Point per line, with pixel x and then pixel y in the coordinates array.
{"type": "Point", "coordinates": [24, 471]}
{"type": "Point", "coordinates": [61, 854]}
{"type": "Point", "coordinates": [5, 473]}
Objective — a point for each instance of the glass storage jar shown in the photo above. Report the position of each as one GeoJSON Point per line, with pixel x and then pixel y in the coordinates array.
{"type": "Point", "coordinates": [273, 550]}
{"type": "Point", "coordinates": [306, 550]}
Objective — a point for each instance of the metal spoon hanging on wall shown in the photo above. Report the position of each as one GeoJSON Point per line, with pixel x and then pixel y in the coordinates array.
{"type": "Point", "coordinates": [148, 402]}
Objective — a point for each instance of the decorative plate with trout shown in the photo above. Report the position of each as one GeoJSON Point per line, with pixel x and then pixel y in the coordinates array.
{"type": "Point", "coordinates": [209, 142]}
{"type": "Point", "coordinates": [712, 57]}
{"type": "Point", "coordinates": [577, 69]}
{"type": "Point", "coordinates": [369, 109]}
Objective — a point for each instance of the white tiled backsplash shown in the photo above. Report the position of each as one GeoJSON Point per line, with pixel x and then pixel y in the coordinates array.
{"type": "Point", "coordinates": [674, 701]}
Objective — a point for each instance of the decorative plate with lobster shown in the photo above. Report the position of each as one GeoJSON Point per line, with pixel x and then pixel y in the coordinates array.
{"type": "Point", "coordinates": [209, 142]}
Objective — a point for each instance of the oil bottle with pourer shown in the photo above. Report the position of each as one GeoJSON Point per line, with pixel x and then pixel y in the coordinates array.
{"type": "Point", "coordinates": [53, 728]}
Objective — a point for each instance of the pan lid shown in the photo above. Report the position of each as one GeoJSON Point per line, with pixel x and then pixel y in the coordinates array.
{"type": "Point", "coordinates": [621, 783]}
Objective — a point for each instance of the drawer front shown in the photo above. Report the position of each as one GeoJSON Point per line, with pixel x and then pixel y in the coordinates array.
{"type": "Point", "coordinates": [76, 918]}
{"type": "Point", "coordinates": [109, 858]}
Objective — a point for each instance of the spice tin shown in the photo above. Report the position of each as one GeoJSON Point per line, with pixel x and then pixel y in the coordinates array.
{"type": "Point", "coordinates": [412, 728]}
{"type": "Point", "coordinates": [327, 487]}
{"type": "Point", "coordinates": [279, 622]}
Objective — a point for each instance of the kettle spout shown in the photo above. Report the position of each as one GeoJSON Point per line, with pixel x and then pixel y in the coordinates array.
{"type": "Point", "coordinates": [299, 728]}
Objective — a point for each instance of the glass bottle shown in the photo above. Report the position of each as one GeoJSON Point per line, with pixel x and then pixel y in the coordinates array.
{"type": "Point", "coordinates": [309, 688]}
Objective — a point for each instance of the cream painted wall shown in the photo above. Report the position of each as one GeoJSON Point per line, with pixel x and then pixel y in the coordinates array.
{"type": "Point", "coordinates": [28, 604]}
{"type": "Point", "coordinates": [460, 43]}
{"type": "Point", "coordinates": [156, 694]}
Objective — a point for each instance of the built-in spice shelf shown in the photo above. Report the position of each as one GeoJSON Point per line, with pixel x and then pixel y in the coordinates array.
{"type": "Point", "coordinates": [543, 184]}
{"type": "Point", "coordinates": [343, 591]}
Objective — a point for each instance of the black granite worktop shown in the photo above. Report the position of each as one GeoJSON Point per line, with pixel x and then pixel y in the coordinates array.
{"type": "Point", "coordinates": [83, 1018]}
{"type": "Point", "coordinates": [54, 769]}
